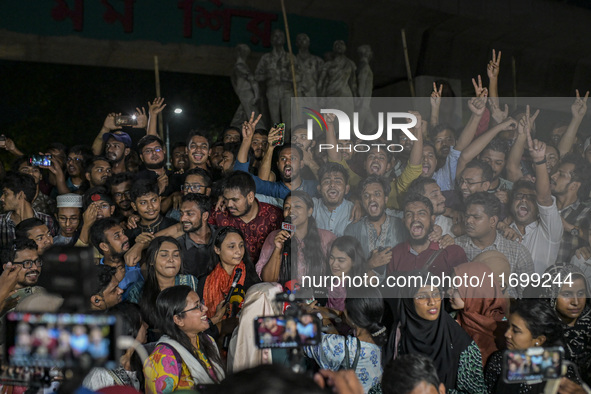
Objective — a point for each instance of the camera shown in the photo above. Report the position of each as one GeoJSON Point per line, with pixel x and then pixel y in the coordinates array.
{"type": "Point", "coordinates": [532, 365]}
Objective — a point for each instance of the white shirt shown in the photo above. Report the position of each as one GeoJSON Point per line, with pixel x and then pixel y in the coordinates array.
{"type": "Point", "coordinates": [542, 237]}
{"type": "Point", "coordinates": [445, 223]}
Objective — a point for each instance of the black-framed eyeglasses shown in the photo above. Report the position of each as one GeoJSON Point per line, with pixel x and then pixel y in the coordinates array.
{"type": "Point", "coordinates": [192, 187]}
{"type": "Point", "coordinates": [149, 151]}
{"type": "Point", "coordinates": [199, 306]}
{"type": "Point", "coordinates": [29, 263]}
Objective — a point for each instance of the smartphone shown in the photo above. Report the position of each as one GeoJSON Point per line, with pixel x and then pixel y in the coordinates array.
{"type": "Point", "coordinates": [40, 160]}
{"type": "Point", "coordinates": [532, 365]}
{"type": "Point", "coordinates": [280, 141]}
{"type": "Point", "coordinates": [125, 120]}
{"type": "Point", "coordinates": [287, 331]}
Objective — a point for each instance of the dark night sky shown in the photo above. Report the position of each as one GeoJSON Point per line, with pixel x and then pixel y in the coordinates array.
{"type": "Point", "coordinates": [43, 103]}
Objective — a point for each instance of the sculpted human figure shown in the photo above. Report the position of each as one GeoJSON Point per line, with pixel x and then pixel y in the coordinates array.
{"type": "Point", "coordinates": [245, 85]}
{"type": "Point", "coordinates": [274, 70]}
{"type": "Point", "coordinates": [308, 67]}
{"type": "Point", "coordinates": [338, 78]}
{"type": "Point", "coordinates": [365, 88]}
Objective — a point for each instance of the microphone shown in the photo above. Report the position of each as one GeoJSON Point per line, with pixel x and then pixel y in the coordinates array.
{"type": "Point", "coordinates": [285, 267]}
{"type": "Point", "coordinates": [286, 225]}
{"type": "Point", "coordinates": [237, 276]}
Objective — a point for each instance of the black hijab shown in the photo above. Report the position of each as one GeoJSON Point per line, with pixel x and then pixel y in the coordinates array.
{"type": "Point", "coordinates": [442, 340]}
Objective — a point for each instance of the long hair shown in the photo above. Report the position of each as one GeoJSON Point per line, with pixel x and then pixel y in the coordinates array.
{"type": "Point", "coordinates": [171, 302]}
{"type": "Point", "coordinates": [218, 238]}
{"type": "Point", "coordinates": [314, 257]}
{"type": "Point", "coordinates": [151, 288]}
{"type": "Point", "coordinates": [365, 309]}
{"type": "Point", "coordinates": [540, 319]}
{"type": "Point", "coordinates": [131, 320]}
{"type": "Point", "coordinates": [353, 249]}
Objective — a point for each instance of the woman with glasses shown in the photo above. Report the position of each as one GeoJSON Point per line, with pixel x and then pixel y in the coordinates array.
{"type": "Point", "coordinates": [184, 356]}
{"type": "Point", "coordinates": [570, 300]}
{"type": "Point", "coordinates": [164, 261]}
{"type": "Point", "coordinates": [420, 326]}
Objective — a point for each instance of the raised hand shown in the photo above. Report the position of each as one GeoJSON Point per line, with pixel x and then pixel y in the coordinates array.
{"type": "Point", "coordinates": [109, 122]}
{"type": "Point", "coordinates": [142, 119]}
{"type": "Point", "coordinates": [330, 118]}
{"type": "Point", "coordinates": [579, 107]}
{"type": "Point", "coordinates": [478, 89]}
{"type": "Point", "coordinates": [478, 104]}
{"type": "Point", "coordinates": [496, 113]}
{"type": "Point", "coordinates": [537, 149]}
{"type": "Point", "coordinates": [156, 106]}
{"type": "Point", "coordinates": [493, 67]}
{"type": "Point", "coordinates": [274, 136]}
{"type": "Point", "coordinates": [249, 126]}
{"type": "Point", "coordinates": [436, 95]}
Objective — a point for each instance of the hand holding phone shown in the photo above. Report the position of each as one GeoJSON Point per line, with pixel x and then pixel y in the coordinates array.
{"type": "Point", "coordinates": [125, 120]}
{"type": "Point", "coordinates": [281, 132]}
{"type": "Point", "coordinates": [532, 365]}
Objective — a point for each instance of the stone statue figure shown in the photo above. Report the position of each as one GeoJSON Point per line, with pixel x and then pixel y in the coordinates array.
{"type": "Point", "coordinates": [245, 86]}
{"type": "Point", "coordinates": [274, 69]}
{"type": "Point", "coordinates": [338, 78]}
{"type": "Point", "coordinates": [365, 89]}
{"type": "Point", "coordinates": [308, 68]}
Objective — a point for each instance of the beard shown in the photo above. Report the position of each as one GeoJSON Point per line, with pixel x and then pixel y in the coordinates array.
{"type": "Point", "coordinates": [194, 228]}
{"type": "Point", "coordinates": [155, 166]}
{"type": "Point", "coordinates": [247, 210]}
{"type": "Point", "coordinates": [423, 240]}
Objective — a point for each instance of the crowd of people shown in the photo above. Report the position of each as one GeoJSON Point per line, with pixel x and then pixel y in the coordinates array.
{"type": "Point", "coordinates": [189, 256]}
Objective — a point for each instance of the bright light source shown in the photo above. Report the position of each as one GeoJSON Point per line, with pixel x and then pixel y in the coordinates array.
{"type": "Point", "coordinates": [178, 111]}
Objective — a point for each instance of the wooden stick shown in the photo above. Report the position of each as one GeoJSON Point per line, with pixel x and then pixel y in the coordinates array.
{"type": "Point", "coordinates": [157, 78]}
{"type": "Point", "coordinates": [514, 71]}
{"type": "Point", "coordinates": [407, 61]}
{"type": "Point", "coordinates": [291, 62]}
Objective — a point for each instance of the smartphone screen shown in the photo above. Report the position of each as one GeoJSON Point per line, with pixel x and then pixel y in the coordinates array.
{"type": "Point", "coordinates": [40, 160]}
{"type": "Point", "coordinates": [286, 331]}
{"type": "Point", "coordinates": [532, 365]}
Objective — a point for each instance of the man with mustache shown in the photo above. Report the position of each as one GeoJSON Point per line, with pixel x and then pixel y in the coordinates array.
{"type": "Point", "coordinates": [23, 253]}
{"type": "Point", "coordinates": [481, 218]}
{"type": "Point", "coordinates": [108, 237]}
{"type": "Point", "coordinates": [196, 242]}
{"type": "Point", "coordinates": [535, 214]}
{"type": "Point", "coordinates": [289, 163]}
{"type": "Point", "coordinates": [569, 185]}
{"type": "Point", "coordinates": [428, 187]}
{"type": "Point", "coordinates": [180, 160]}
{"type": "Point", "coordinates": [36, 230]}
{"type": "Point", "coordinates": [117, 148]}
{"type": "Point", "coordinates": [378, 231]}
{"type": "Point", "coordinates": [332, 211]}
{"type": "Point", "coordinates": [418, 250]}
{"type": "Point", "coordinates": [258, 147]}
{"type": "Point", "coordinates": [107, 292]}
{"type": "Point", "coordinates": [119, 186]}
{"type": "Point", "coordinates": [98, 171]}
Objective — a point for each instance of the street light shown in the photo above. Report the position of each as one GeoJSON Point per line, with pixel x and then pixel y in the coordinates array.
{"type": "Point", "coordinates": [177, 111]}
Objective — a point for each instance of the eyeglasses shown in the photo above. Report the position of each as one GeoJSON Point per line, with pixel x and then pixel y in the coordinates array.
{"type": "Point", "coordinates": [149, 151]}
{"type": "Point", "coordinates": [521, 196]}
{"type": "Point", "coordinates": [199, 306]}
{"type": "Point", "coordinates": [192, 187]}
{"type": "Point", "coordinates": [29, 263]}
{"type": "Point", "coordinates": [102, 206]}
{"type": "Point", "coordinates": [126, 193]}
{"type": "Point", "coordinates": [461, 181]}
{"type": "Point", "coordinates": [424, 298]}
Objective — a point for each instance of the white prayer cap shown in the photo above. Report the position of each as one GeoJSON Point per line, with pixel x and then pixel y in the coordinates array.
{"type": "Point", "coordinates": [69, 200]}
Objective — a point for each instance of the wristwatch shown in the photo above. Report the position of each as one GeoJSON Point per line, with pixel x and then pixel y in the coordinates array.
{"type": "Point", "coordinates": [575, 231]}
